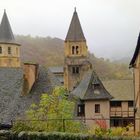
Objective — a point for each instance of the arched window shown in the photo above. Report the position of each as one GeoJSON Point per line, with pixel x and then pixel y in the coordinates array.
{"type": "Point", "coordinates": [73, 49]}
{"type": "Point", "coordinates": [0, 50]}
{"type": "Point", "coordinates": [9, 50]}
{"type": "Point", "coordinates": [77, 49]}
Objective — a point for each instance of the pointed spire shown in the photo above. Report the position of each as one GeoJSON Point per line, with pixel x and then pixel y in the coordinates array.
{"type": "Point", "coordinates": [6, 34]}
{"type": "Point", "coordinates": [74, 9]}
{"type": "Point", "coordinates": [75, 32]}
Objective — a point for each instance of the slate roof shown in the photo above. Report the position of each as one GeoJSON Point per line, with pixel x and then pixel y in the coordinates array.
{"type": "Point", "coordinates": [121, 90]}
{"type": "Point", "coordinates": [6, 34]}
{"type": "Point", "coordinates": [11, 81]}
{"type": "Point", "coordinates": [57, 69]}
{"type": "Point", "coordinates": [137, 50]}
{"type": "Point", "coordinates": [91, 88]}
{"type": "Point", "coordinates": [75, 32]}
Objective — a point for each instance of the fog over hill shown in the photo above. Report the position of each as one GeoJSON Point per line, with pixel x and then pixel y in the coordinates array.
{"type": "Point", "coordinates": [49, 51]}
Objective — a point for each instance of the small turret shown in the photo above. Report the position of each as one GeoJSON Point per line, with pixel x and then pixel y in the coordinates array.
{"type": "Point", "coordinates": [9, 48]}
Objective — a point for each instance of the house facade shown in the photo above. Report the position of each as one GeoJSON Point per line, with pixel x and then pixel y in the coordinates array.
{"type": "Point", "coordinates": [135, 64]}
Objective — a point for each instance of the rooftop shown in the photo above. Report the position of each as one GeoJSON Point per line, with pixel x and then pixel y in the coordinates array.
{"type": "Point", "coordinates": [6, 34]}
{"type": "Point", "coordinates": [75, 32]}
{"type": "Point", "coordinates": [121, 90]}
{"type": "Point", "coordinates": [91, 88]}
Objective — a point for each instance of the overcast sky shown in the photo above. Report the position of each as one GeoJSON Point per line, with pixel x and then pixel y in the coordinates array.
{"type": "Point", "coordinates": [111, 27]}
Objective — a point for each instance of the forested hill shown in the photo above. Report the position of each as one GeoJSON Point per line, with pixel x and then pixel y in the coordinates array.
{"type": "Point", "coordinates": [49, 52]}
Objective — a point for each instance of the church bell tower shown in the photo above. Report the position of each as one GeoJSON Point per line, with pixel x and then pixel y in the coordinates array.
{"type": "Point", "coordinates": [9, 48]}
{"type": "Point", "coordinates": [76, 62]}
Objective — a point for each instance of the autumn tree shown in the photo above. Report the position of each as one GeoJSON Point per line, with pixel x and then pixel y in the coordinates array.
{"type": "Point", "coordinates": [54, 113]}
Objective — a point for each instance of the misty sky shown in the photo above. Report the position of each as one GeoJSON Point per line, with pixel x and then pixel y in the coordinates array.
{"type": "Point", "coordinates": [111, 27]}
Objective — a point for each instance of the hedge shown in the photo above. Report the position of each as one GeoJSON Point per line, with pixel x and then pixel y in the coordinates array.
{"type": "Point", "coordinates": [8, 135]}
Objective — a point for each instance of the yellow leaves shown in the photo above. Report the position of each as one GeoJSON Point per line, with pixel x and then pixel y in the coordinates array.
{"type": "Point", "coordinates": [53, 113]}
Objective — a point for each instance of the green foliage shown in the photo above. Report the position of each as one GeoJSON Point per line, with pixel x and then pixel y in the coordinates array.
{"type": "Point", "coordinates": [118, 131]}
{"type": "Point", "coordinates": [60, 136]}
{"type": "Point", "coordinates": [51, 114]}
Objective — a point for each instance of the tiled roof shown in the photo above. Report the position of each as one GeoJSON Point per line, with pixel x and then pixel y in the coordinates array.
{"type": "Point", "coordinates": [6, 34]}
{"type": "Point", "coordinates": [121, 90]}
{"type": "Point", "coordinates": [91, 88]}
{"type": "Point", "coordinates": [75, 32]}
{"type": "Point", "coordinates": [137, 50]}
{"type": "Point", "coordinates": [57, 69]}
{"type": "Point", "coordinates": [11, 81]}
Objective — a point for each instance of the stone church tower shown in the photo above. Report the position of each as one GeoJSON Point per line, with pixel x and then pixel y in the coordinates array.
{"type": "Point", "coordinates": [76, 62]}
{"type": "Point", "coordinates": [9, 48]}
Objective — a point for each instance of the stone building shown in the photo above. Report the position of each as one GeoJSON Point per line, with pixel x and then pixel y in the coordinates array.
{"type": "Point", "coordinates": [76, 62]}
{"type": "Point", "coordinates": [22, 84]}
{"type": "Point", "coordinates": [18, 79]}
{"type": "Point", "coordinates": [96, 99]}
{"type": "Point", "coordinates": [135, 64]}
{"type": "Point", "coordinates": [9, 48]}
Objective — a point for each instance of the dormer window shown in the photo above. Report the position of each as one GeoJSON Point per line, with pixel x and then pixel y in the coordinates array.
{"type": "Point", "coordinates": [0, 50]}
{"type": "Point", "coordinates": [96, 92]}
{"type": "Point", "coordinates": [9, 50]}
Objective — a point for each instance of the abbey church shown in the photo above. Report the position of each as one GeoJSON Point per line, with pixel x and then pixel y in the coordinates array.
{"type": "Point", "coordinates": [22, 84]}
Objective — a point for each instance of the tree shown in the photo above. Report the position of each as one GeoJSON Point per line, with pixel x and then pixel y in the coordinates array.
{"type": "Point", "coordinates": [54, 113]}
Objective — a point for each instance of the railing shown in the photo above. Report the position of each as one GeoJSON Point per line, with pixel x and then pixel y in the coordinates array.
{"type": "Point", "coordinates": [122, 113]}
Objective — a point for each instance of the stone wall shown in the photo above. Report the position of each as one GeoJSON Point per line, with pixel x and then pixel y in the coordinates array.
{"type": "Point", "coordinates": [11, 59]}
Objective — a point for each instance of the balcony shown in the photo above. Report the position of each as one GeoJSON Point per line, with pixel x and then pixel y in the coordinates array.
{"type": "Point", "coordinates": [118, 112]}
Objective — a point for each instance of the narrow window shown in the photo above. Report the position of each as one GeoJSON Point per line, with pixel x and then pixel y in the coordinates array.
{"type": "Point", "coordinates": [75, 70]}
{"type": "Point", "coordinates": [81, 110]}
{"type": "Point", "coordinates": [97, 108]}
{"type": "Point", "coordinates": [9, 50]}
{"type": "Point", "coordinates": [77, 49]}
{"type": "Point", "coordinates": [73, 49]}
{"type": "Point", "coordinates": [0, 50]}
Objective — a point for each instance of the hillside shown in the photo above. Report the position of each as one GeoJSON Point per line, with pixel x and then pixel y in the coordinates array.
{"type": "Point", "coordinates": [45, 51]}
{"type": "Point", "coordinates": [49, 52]}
